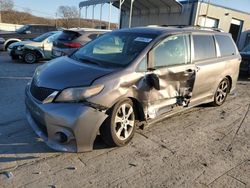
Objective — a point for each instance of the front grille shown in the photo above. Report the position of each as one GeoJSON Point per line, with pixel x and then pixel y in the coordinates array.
{"type": "Point", "coordinates": [40, 93]}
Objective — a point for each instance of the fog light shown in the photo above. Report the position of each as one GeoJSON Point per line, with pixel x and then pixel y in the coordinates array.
{"type": "Point", "coordinates": [61, 137]}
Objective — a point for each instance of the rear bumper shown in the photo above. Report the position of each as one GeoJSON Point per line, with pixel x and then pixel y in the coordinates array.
{"type": "Point", "coordinates": [59, 52]}
{"type": "Point", "coordinates": [79, 122]}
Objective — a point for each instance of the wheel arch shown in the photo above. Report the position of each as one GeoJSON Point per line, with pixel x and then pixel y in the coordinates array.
{"type": "Point", "coordinates": [37, 52]}
{"type": "Point", "coordinates": [138, 107]}
{"type": "Point", "coordinates": [10, 41]}
{"type": "Point", "coordinates": [230, 81]}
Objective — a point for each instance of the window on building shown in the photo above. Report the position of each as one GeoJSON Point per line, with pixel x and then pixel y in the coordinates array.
{"type": "Point", "coordinates": [174, 50]}
{"type": "Point", "coordinates": [226, 45]}
{"type": "Point", "coordinates": [208, 22]}
{"type": "Point", "coordinates": [204, 47]}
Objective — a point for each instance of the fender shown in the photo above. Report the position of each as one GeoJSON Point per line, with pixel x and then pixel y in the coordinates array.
{"type": "Point", "coordinates": [12, 40]}
{"type": "Point", "coordinates": [37, 50]}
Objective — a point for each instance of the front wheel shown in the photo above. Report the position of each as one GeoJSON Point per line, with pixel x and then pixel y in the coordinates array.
{"type": "Point", "coordinates": [221, 93]}
{"type": "Point", "coordinates": [119, 127]}
{"type": "Point", "coordinates": [30, 57]}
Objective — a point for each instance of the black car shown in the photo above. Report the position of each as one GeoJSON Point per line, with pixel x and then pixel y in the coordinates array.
{"type": "Point", "coordinates": [26, 32]}
{"type": "Point", "coordinates": [245, 63]}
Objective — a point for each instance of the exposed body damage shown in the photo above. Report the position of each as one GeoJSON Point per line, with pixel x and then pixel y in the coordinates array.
{"type": "Point", "coordinates": [71, 120]}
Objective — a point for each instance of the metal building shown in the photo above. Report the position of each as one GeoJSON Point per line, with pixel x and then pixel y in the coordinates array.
{"type": "Point", "coordinates": [194, 13]}
{"type": "Point", "coordinates": [172, 12]}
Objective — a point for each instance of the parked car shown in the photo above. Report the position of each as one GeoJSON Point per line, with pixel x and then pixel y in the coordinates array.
{"type": "Point", "coordinates": [39, 48]}
{"type": "Point", "coordinates": [71, 40]}
{"type": "Point", "coordinates": [26, 32]}
{"type": "Point", "coordinates": [15, 48]}
{"type": "Point", "coordinates": [127, 78]}
{"type": "Point", "coordinates": [245, 63]}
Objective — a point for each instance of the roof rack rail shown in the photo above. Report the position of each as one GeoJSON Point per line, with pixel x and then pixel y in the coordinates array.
{"type": "Point", "coordinates": [191, 27]}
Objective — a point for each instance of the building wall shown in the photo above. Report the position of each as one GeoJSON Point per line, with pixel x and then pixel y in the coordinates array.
{"type": "Point", "coordinates": [225, 17]}
{"type": "Point", "coordinates": [193, 11]}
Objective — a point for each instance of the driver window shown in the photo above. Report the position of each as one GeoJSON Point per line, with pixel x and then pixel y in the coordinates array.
{"type": "Point", "coordinates": [174, 50]}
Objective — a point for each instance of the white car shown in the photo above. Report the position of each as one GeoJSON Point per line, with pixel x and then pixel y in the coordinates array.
{"type": "Point", "coordinates": [33, 50]}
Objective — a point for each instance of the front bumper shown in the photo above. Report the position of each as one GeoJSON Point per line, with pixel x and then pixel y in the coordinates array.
{"type": "Point", "coordinates": [14, 52]}
{"type": "Point", "coordinates": [79, 122]}
{"type": "Point", "coordinates": [59, 52]}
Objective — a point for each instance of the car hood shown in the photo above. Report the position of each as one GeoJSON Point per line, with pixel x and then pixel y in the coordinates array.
{"type": "Point", "coordinates": [65, 72]}
{"type": "Point", "coordinates": [15, 44]}
{"type": "Point", "coordinates": [22, 43]}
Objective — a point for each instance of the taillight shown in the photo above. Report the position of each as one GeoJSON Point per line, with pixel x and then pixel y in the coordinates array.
{"type": "Point", "coordinates": [72, 44]}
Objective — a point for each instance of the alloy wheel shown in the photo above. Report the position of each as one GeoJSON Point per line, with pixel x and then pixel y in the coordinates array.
{"type": "Point", "coordinates": [124, 121]}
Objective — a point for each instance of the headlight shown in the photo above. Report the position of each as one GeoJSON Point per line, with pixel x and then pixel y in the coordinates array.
{"type": "Point", "coordinates": [20, 48]}
{"type": "Point", "coordinates": [2, 40]}
{"type": "Point", "coordinates": [78, 94]}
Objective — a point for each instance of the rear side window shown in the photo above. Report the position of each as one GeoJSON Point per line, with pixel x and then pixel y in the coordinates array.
{"type": "Point", "coordinates": [68, 36]}
{"type": "Point", "coordinates": [226, 45]}
{"type": "Point", "coordinates": [204, 47]}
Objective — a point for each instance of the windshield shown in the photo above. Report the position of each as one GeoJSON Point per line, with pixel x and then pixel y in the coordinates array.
{"type": "Point", "coordinates": [42, 37]}
{"type": "Point", "coordinates": [22, 29]}
{"type": "Point", "coordinates": [114, 49]}
{"type": "Point", "coordinates": [246, 49]}
{"type": "Point", "coordinates": [53, 37]}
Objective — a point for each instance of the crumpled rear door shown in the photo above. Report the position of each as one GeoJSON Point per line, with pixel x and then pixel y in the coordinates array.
{"type": "Point", "coordinates": [171, 63]}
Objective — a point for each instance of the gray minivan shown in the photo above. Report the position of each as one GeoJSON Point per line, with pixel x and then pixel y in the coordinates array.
{"type": "Point", "coordinates": [126, 79]}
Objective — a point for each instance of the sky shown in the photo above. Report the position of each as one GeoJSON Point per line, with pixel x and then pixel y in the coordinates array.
{"type": "Point", "coordinates": [48, 8]}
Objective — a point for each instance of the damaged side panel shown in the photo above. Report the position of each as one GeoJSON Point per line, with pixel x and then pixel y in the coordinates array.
{"type": "Point", "coordinates": [176, 85]}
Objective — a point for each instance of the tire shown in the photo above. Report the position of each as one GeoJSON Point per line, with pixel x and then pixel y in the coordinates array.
{"type": "Point", "coordinates": [14, 57]}
{"type": "Point", "coordinates": [119, 127]}
{"type": "Point", "coordinates": [30, 57]}
{"type": "Point", "coordinates": [221, 93]}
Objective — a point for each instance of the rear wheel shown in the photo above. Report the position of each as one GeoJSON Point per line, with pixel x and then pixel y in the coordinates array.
{"type": "Point", "coordinates": [30, 57]}
{"type": "Point", "coordinates": [119, 127]}
{"type": "Point", "coordinates": [221, 93]}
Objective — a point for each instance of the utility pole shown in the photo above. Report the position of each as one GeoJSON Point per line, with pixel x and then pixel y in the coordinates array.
{"type": "Point", "coordinates": [101, 16]}
{"type": "Point", "coordinates": [79, 17]}
{"type": "Point", "coordinates": [56, 20]}
{"type": "Point", "coordinates": [110, 13]}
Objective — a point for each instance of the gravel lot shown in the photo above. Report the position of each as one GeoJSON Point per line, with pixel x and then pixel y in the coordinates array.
{"type": "Point", "coordinates": [203, 147]}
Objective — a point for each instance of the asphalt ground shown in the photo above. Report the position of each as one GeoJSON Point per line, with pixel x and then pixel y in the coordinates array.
{"type": "Point", "coordinates": [202, 147]}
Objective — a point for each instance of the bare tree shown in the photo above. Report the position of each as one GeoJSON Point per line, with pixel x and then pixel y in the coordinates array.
{"type": "Point", "coordinates": [67, 13]}
{"type": "Point", "coordinates": [5, 5]}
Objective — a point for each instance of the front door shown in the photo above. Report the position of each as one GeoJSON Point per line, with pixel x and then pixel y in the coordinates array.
{"type": "Point", "coordinates": [171, 63]}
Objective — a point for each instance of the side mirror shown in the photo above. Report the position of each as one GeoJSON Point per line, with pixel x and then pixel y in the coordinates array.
{"type": "Point", "coordinates": [153, 81]}
{"type": "Point", "coordinates": [27, 32]}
